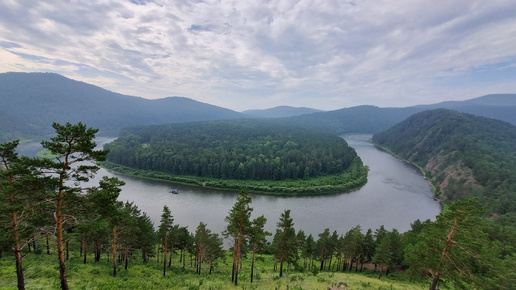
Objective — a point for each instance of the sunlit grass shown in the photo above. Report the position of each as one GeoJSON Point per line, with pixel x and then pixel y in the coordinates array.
{"type": "Point", "coordinates": [46, 154]}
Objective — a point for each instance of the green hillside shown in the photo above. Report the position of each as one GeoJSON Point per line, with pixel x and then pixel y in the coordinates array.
{"type": "Point", "coordinates": [463, 155]}
{"type": "Point", "coordinates": [260, 155]}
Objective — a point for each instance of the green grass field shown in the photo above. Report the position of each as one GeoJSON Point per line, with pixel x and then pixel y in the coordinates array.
{"type": "Point", "coordinates": [42, 272]}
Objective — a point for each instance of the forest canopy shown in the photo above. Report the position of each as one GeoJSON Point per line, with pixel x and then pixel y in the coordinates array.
{"type": "Point", "coordinates": [464, 155]}
{"type": "Point", "coordinates": [239, 150]}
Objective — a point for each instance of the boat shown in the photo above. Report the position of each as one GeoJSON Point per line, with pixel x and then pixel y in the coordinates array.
{"type": "Point", "coordinates": [174, 191]}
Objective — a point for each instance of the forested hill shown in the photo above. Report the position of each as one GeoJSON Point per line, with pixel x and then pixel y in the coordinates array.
{"type": "Point", "coordinates": [256, 150]}
{"type": "Point", "coordinates": [372, 119]}
{"type": "Point", "coordinates": [464, 155]}
{"type": "Point", "coordinates": [360, 119]}
{"type": "Point", "coordinates": [30, 102]}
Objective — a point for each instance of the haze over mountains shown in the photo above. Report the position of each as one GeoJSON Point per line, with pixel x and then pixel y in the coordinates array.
{"type": "Point", "coordinates": [30, 102]}
{"type": "Point", "coordinates": [280, 112]}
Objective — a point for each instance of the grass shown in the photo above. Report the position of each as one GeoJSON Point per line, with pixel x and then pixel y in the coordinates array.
{"type": "Point", "coordinates": [42, 272]}
{"type": "Point", "coordinates": [46, 154]}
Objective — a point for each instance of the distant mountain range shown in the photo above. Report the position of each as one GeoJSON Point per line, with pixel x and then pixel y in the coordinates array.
{"type": "Point", "coordinates": [280, 112]}
{"type": "Point", "coordinates": [31, 102]}
{"type": "Point", "coordinates": [372, 119]}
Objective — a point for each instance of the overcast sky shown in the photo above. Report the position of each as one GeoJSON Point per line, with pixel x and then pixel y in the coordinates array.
{"type": "Point", "coordinates": [260, 54]}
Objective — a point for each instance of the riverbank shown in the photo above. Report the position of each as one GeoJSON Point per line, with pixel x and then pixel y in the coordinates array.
{"type": "Point", "coordinates": [435, 187]}
{"type": "Point", "coordinates": [352, 179]}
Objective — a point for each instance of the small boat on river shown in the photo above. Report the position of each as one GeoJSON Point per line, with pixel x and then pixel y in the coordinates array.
{"type": "Point", "coordinates": [174, 191]}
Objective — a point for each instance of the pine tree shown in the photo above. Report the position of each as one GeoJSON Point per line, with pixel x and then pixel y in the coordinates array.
{"type": "Point", "coordinates": [21, 189]}
{"type": "Point", "coordinates": [163, 231]}
{"type": "Point", "coordinates": [74, 148]}
{"type": "Point", "coordinates": [239, 227]}
{"type": "Point", "coordinates": [452, 246]}
{"type": "Point", "coordinates": [286, 244]}
{"type": "Point", "coordinates": [258, 238]}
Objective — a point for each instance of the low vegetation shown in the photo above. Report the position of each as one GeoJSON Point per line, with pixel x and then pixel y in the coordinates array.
{"type": "Point", "coordinates": [42, 274]}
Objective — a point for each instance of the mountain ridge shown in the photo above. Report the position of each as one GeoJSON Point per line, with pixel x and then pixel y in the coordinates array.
{"type": "Point", "coordinates": [44, 98]}
{"type": "Point", "coordinates": [31, 102]}
{"type": "Point", "coordinates": [280, 112]}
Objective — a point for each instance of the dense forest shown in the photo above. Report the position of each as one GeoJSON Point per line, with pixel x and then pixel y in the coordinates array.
{"type": "Point", "coordinates": [46, 210]}
{"type": "Point", "coordinates": [235, 150]}
{"type": "Point", "coordinates": [463, 155]}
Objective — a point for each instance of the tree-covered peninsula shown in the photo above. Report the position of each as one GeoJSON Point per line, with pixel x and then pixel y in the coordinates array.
{"type": "Point", "coordinates": [463, 156]}
{"type": "Point", "coordinates": [259, 155]}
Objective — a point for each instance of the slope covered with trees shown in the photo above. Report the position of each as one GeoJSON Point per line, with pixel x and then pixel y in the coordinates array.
{"type": "Point", "coordinates": [257, 150]}
{"type": "Point", "coordinates": [463, 155]}
{"type": "Point", "coordinates": [58, 214]}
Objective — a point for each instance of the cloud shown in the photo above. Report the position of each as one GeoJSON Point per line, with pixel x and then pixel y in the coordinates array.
{"type": "Point", "coordinates": [259, 54]}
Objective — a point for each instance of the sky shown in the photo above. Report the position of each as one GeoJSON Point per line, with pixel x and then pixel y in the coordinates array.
{"type": "Point", "coordinates": [261, 54]}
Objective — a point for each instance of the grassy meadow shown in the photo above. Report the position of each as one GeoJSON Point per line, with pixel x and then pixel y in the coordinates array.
{"type": "Point", "coordinates": [42, 272]}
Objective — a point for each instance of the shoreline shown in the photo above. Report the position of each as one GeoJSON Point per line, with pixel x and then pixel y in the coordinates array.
{"type": "Point", "coordinates": [265, 187]}
{"type": "Point", "coordinates": [435, 188]}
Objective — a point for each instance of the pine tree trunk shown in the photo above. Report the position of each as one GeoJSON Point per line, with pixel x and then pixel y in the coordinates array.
{"type": "Point", "coordinates": [144, 256]}
{"type": "Point", "coordinates": [165, 256]}
{"type": "Point", "coordinates": [19, 268]}
{"type": "Point", "coordinates": [97, 251]}
{"type": "Point", "coordinates": [60, 246]}
{"type": "Point", "coordinates": [126, 257]}
{"type": "Point", "coordinates": [17, 253]}
{"type": "Point", "coordinates": [48, 246]}
{"type": "Point", "coordinates": [281, 266]}
{"type": "Point", "coordinates": [238, 259]}
{"type": "Point", "coordinates": [322, 259]}
{"type": "Point", "coordinates": [85, 245]}
{"type": "Point", "coordinates": [114, 250]}
{"type": "Point", "coordinates": [435, 280]}
{"type": "Point", "coordinates": [234, 261]}
{"type": "Point", "coordinates": [252, 263]}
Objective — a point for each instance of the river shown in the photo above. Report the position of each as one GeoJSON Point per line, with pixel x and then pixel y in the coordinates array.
{"type": "Point", "coordinates": [395, 195]}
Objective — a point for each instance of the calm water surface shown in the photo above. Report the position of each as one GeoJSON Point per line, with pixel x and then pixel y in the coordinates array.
{"type": "Point", "coordinates": [395, 196]}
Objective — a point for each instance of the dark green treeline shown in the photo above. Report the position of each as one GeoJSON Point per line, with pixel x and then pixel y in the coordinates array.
{"type": "Point", "coordinates": [237, 149]}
